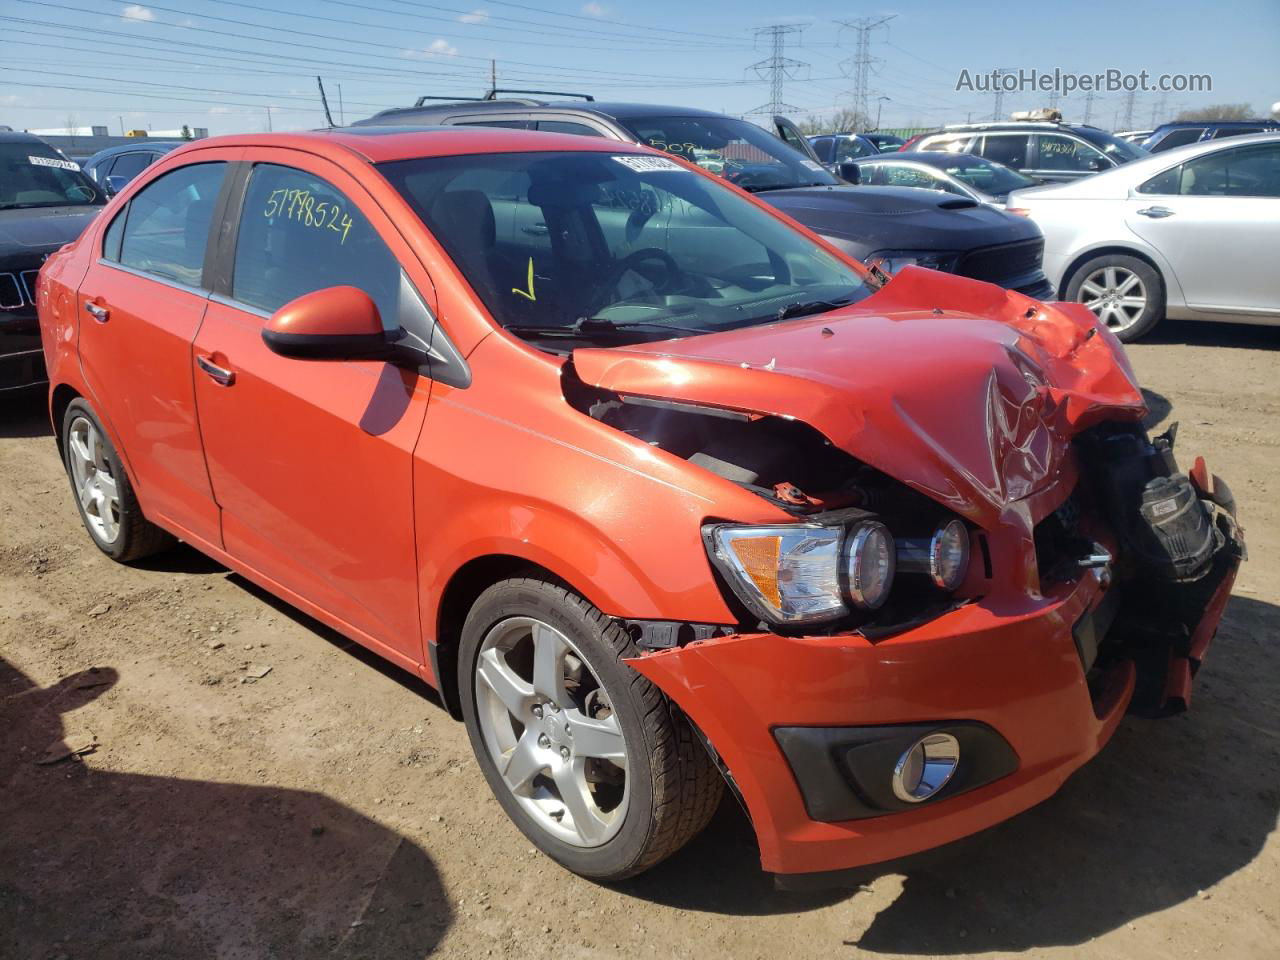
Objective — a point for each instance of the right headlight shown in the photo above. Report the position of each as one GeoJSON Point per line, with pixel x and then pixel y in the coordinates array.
{"type": "Point", "coordinates": [944, 557]}
{"type": "Point", "coordinates": [805, 573]}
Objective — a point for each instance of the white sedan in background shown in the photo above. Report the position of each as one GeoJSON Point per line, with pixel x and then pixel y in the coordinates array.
{"type": "Point", "coordinates": [1192, 233]}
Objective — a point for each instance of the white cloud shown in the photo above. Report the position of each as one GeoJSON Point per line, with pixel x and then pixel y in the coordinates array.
{"type": "Point", "coordinates": [9, 99]}
{"type": "Point", "coordinates": [593, 9]}
{"type": "Point", "coordinates": [136, 11]}
{"type": "Point", "coordinates": [475, 16]}
{"type": "Point", "coordinates": [219, 109]}
{"type": "Point", "coordinates": [437, 48]}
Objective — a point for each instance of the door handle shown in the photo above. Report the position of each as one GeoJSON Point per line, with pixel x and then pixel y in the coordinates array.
{"type": "Point", "coordinates": [537, 230]}
{"type": "Point", "coordinates": [99, 313]}
{"type": "Point", "coordinates": [1156, 213]}
{"type": "Point", "coordinates": [216, 373]}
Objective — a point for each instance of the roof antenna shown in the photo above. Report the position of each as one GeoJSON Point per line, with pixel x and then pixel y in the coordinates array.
{"type": "Point", "coordinates": [325, 103]}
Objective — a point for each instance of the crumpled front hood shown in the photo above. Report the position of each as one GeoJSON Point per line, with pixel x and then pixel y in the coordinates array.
{"type": "Point", "coordinates": [965, 391]}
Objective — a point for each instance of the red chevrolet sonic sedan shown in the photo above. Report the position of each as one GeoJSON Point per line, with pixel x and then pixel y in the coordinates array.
{"type": "Point", "coordinates": [660, 491]}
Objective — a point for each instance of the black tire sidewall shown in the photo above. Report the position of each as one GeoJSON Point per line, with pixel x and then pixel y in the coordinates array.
{"type": "Point", "coordinates": [577, 620]}
{"type": "Point", "coordinates": [120, 547]}
{"type": "Point", "coordinates": [1151, 279]}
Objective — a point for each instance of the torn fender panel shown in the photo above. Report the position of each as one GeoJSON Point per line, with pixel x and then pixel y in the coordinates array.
{"type": "Point", "coordinates": [973, 404]}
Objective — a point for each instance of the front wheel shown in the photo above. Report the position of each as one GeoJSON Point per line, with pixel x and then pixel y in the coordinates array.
{"type": "Point", "coordinates": [582, 752]}
{"type": "Point", "coordinates": [1125, 293]}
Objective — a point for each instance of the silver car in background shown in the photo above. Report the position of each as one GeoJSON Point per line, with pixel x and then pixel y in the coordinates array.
{"type": "Point", "coordinates": [1192, 233]}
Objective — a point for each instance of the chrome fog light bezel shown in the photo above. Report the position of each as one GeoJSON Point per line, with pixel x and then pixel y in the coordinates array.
{"type": "Point", "coordinates": [926, 767]}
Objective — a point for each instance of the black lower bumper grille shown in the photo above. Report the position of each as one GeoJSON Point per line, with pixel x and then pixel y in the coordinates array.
{"type": "Point", "coordinates": [1003, 263]}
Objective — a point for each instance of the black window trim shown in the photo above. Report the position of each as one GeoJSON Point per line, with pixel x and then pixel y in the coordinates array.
{"type": "Point", "coordinates": [444, 362]}
{"type": "Point", "coordinates": [204, 289]}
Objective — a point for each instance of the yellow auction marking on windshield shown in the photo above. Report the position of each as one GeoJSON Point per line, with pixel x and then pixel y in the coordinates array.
{"type": "Point", "coordinates": [527, 294]}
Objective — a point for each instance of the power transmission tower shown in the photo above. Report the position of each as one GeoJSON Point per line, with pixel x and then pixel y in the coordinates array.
{"type": "Point", "coordinates": [777, 68]}
{"type": "Point", "coordinates": [997, 109]}
{"type": "Point", "coordinates": [859, 65]}
{"type": "Point", "coordinates": [1159, 110]}
{"type": "Point", "coordinates": [1129, 99]}
{"type": "Point", "coordinates": [1088, 105]}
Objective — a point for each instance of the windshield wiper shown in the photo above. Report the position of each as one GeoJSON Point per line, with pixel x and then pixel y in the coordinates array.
{"type": "Point", "coordinates": [589, 326]}
{"type": "Point", "coordinates": [807, 308]}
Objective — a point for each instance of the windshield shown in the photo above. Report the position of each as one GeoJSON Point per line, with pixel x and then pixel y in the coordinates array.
{"type": "Point", "coordinates": [742, 153]}
{"type": "Point", "coordinates": [33, 175]}
{"type": "Point", "coordinates": [589, 244]}
{"type": "Point", "coordinates": [985, 175]}
{"type": "Point", "coordinates": [1122, 151]}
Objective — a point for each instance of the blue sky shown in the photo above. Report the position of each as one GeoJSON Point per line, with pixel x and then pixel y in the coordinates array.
{"type": "Point", "coordinates": [222, 63]}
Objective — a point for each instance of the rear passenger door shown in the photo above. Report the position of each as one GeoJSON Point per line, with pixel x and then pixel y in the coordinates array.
{"type": "Point", "coordinates": [1011, 149]}
{"type": "Point", "coordinates": [311, 461]}
{"type": "Point", "coordinates": [1062, 158]}
{"type": "Point", "coordinates": [140, 306]}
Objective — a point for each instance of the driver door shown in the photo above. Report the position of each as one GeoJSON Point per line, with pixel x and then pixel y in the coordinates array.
{"type": "Point", "coordinates": [790, 134]}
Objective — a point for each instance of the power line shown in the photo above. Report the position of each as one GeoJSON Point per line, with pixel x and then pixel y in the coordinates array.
{"type": "Point", "coordinates": [997, 110]}
{"type": "Point", "coordinates": [777, 67]}
{"type": "Point", "coordinates": [860, 62]}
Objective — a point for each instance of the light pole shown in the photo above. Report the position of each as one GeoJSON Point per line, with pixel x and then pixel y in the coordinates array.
{"type": "Point", "coordinates": [879, 107]}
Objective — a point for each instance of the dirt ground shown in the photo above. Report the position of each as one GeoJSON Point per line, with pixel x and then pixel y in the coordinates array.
{"type": "Point", "coordinates": [332, 809]}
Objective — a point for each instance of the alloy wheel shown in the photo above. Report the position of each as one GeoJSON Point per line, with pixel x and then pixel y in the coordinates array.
{"type": "Point", "coordinates": [91, 475]}
{"type": "Point", "coordinates": [1116, 295]}
{"type": "Point", "coordinates": [551, 732]}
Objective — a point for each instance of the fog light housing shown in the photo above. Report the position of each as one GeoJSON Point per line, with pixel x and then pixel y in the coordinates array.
{"type": "Point", "coordinates": [926, 767]}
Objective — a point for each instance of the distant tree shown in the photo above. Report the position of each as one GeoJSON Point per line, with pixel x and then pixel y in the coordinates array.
{"type": "Point", "coordinates": [186, 132]}
{"type": "Point", "coordinates": [842, 121]}
{"type": "Point", "coordinates": [1219, 111]}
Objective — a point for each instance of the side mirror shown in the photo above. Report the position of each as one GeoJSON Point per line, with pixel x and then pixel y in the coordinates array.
{"type": "Point", "coordinates": [849, 171]}
{"type": "Point", "coordinates": [336, 323]}
{"type": "Point", "coordinates": [113, 185]}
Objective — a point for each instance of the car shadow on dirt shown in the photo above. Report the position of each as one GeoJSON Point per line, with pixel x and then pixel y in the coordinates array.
{"type": "Point", "coordinates": [1169, 809]}
{"type": "Point", "coordinates": [1199, 333]}
{"type": "Point", "coordinates": [105, 864]}
{"type": "Point", "coordinates": [25, 413]}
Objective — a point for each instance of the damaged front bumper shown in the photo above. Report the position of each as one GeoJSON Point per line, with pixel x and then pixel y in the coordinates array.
{"type": "Point", "coordinates": [808, 728]}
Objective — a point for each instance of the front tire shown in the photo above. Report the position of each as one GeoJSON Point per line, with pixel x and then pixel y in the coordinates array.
{"type": "Point", "coordinates": [583, 753]}
{"type": "Point", "coordinates": [103, 493]}
{"type": "Point", "coordinates": [1126, 294]}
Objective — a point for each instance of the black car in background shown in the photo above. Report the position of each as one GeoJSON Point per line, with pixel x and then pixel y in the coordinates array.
{"type": "Point", "coordinates": [116, 166]}
{"type": "Point", "coordinates": [1181, 132]}
{"type": "Point", "coordinates": [1048, 151]}
{"type": "Point", "coordinates": [886, 142]}
{"type": "Point", "coordinates": [45, 201]}
{"type": "Point", "coordinates": [894, 226]}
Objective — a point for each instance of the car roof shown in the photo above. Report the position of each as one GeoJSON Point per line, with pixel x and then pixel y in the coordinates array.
{"type": "Point", "coordinates": [428, 112]}
{"type": "Point", "coordinates": [1003, 125]}
{"type": "Point", "coordinates": [156, 146]}
{"type": "Point", "coordinates": [1179, 124]}
{"type": "Point", "coordinates": [377, 144]}
{"type": "Point", "coordinates": [15, 136]}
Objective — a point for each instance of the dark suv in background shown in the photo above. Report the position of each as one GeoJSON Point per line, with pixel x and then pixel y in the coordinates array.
{"type": "Point", "coordinates": [45, 201]}
{"type": "Point", "coordinates": [893, 226]}
{"type": "Point", "coordinates": [1048, 151]}
{"type": "Point", "coordinates": [1180, 133]}
{"type": "Point", "coordinates": [114, 167]}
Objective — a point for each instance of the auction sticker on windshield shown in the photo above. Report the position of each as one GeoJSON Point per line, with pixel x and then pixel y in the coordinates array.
{"type": "Point", "coordinates": [53, 162]}
{"type": "Point", "coordinates": [648, 164]}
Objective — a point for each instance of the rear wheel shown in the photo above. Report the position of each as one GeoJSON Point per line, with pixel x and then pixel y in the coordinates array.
{"type": "Point", "coordinates": [103, 493]}
{"type": "Point", "coordinates": [582, 752]}
{"type": "Point", "coordinates": [1125, 293]}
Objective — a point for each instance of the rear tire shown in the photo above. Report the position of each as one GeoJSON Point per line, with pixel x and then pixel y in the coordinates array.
{"type": "Point", "coordinates": [1126, 294]}
{"type": "Point", "coordinates": [103, 494]}
{"type": "Point", "coordinates": [584, 754]}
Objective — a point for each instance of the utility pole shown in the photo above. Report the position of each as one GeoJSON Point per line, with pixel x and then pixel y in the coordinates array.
{"type": "Point", "coordinates": [859, 65]}
{"type": "Point", "coordinates": [121, 119]}
{"type": "Point", "coordinates": [777, 68]}
{"type": "Point", "coordinates": [268, 118]}
{"type": "Point", "coordinates": [493, 74]}
{"type": "Point", "coordinates": [342, 114]}
{"type": "Point", "coordinates": [1088, 105]}
{"type": "Point", "coordinates": [1160, 110]}
{"type": "Point", "coordinates": [879, 106]}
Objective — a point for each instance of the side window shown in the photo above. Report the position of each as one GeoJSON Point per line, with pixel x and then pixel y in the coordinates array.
{"type": "Point", "coordinates": [514, 124]}
{"type": "Point", "coordinates": [129, 165]}
{"type": "Point", "coordinates": [564, 126]}
{"type": "Point", "coordinates": [950, 143]}
{"type": "Point", "coordinates": [1252, 171]}
{"type": "Point", "coordinates": [1007, 148]}
{"type": "Point", "coordinates": [1223, 132]}
{"type": "Point", "coordinates": [822, 147]}
{"type": "Point", "coordinates": [1179, 138]}
{"type": "Point", "coordinates": [903, 176]}
{"type": "Point", "coordinates": [114, 235]}
{"type": "Point", "coordinates": [299, 234]}
{"type": "Point", "coordinates": [1065, 153]}
{"type": "Point", "coordinates": [168, 223]}
{"type": "Point", "coordinates": [850, 148]}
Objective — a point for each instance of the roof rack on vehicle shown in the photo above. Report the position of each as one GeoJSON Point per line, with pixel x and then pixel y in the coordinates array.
{"type": "Point", "coordinates": [422, 100]}
{"type": "Point", "coordinates": [493, 94]}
